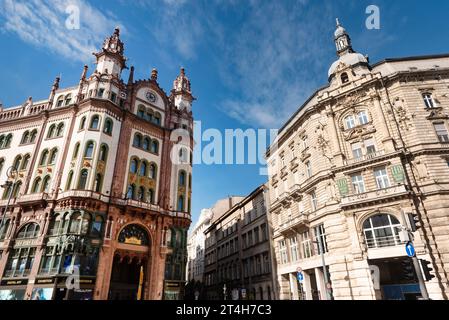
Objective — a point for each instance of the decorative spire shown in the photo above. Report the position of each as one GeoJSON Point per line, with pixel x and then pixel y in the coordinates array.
{"type": "Point", "coordinates": [54, 88]}
{"type": "Point", "coordinates": [182, 83]}
{"type": "Point", "coordinates": [113, 46]}
{"type": "Point", "coordinates": [342, 40]}
{"type": "Point", "coordinates": [154, 74]}
{"type": "Point", "coordinates": [131, 76]}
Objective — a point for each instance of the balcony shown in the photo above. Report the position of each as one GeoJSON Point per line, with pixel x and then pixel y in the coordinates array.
{"type": "Point", "coordinates": [294, 222]}
{"type": "Point", "coordinates": [366, 157]}
{"type": "Point", "coordinates": [385, 247]}
{"type": "Point", "coordinates": [34, 197]}
{"type": "Point", "coordinates": [372, 197]}
{"type": "Point", "coordinates": [83, 194]}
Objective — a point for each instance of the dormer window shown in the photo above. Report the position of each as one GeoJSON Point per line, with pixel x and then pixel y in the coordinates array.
{"type": "Point", "coordinates": [428, 100]}
{"type": "Point", "coordinates": [68, 99]}
{"type": "Point", "coordinates": [344, 78]}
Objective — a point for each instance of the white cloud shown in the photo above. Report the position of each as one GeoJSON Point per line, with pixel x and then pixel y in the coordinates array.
{"type": "Point", "coordinates": [43, 24]}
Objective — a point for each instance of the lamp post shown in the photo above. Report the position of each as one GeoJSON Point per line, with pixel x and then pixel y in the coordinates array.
{"type": "Point", "coordinates": [326, 279]}
{"type": "Point", "coordinates": [11, 174]}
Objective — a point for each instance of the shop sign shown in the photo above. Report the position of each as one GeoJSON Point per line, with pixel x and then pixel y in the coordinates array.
{"type": "Point", "coordinates": [14, 282]}
{"type": "Point", "coordinates": [45, 281]}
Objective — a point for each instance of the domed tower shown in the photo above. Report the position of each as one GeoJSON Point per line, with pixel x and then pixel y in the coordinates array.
{"type": "Point", "coordinates": [182, 93]}
{"type": "Point", "coordinates": [111, 59]}
{"type": "Point", "coordinates": [350, 64]}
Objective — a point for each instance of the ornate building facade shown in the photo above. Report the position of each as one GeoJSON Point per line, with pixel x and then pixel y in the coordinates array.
{"type": "Point", "coordinates": [238, 252]}
{"type": "Point", "coordinates": [347, 169]}
{"type": "Point", "coordinates": [98, 205]}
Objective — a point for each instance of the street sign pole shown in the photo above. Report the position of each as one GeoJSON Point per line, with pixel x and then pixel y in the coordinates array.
{"type": "Point", "coordinates": [410, 250]}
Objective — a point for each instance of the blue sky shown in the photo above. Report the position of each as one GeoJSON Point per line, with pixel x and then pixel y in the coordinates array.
{"type": "Point", "coordinates": [251, 63]}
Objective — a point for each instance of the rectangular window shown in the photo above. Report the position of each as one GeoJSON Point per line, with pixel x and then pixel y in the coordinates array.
{"type": "Point", "coordinates": [350, 123]}
{"type": "Point", "coordinates": [357, 150]}
{"type": "Point", "coordinates": [100, 93]}
{"type": "Point", "coordinates": [320, 236]}
{"type": "Point", "coordinates": [283, 252]}
{"type": "Point", "coordinates": [370, 146]}
{"type": "Point", "coordinates": [309, 169]}
{"type": "Point", "coordinates": [441, 131]}
{"type": "Point", "coordinates": [382, 180]}
{"type": "Point", "coordinates": [294, 249]}
{"type": "Point", "coordinates": [363, 117]}
{"type": "Point", "coordinates": [250, 239]}
{"type": "Point", "coordinates": [244, 241]}
{"type": "Point", "coordinates": [357, 183]}
{"type": "Point", "coordinates": [428, 100]}
{"type": "Point", "coordinates": [306, 245]}
{"type": "Point", "coordinates": [113, 96]}
{"type": "Point", "coordinates": [313, 201]}
{"type": "Point", "coordinates": [263, 229]}
{"type": "Point", "coordinates": [304, 143]}
{"type": "Point", "coordinates": [256, 235]}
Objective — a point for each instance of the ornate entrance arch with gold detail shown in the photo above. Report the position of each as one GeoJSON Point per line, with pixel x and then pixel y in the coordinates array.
{"type": "Point", "coordinates": [130, 266]}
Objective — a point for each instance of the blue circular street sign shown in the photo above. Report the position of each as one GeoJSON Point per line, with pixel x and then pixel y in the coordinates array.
{"type": "Point", "coordinates": [300, 276]}
{"type": "Point", "coordinates": [410, 250]}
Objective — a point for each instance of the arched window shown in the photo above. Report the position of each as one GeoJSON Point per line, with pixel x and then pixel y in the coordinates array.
{"type": "Point", "coordinates": [89, 150]}
{"type": "Point", "coordinates": [53, 156]}
{"type": "Point", "coordinates": [141, 112]}
{"type": "Point", "coordinates": [60, 101]}
{"type": "Point", "coordinates": [28, 231]}
{"type": "Point", "coordinates": [69, 180]}
{"type": "Point", "coordinates": [103, 153]}
{"type": "Point", "coordinates": [16, 163]}
{"type": "Point", "coordinates": [131, 192]}
{"type": "Point", "coordinates": [350, 122]}
{"type": "Point", "coordinates": [33, 136]}
{"type": "Point", "coordinates": [46, 184]}
{"type": "Point", "coordinates": [16, 190]}
{"type": "Point", "coordinates": [134, 234]}
{"type": "Point", "coordinates": [44, 158]}
{"type": "Point", "coordinates": [153, 171]}
{"type": "Point", "coordinates": [181, 203]}
{"type": "Point", "coordinates": [98, 181]}
{"type": "Point", "coordinates": [75, 223]}
{"type": "Point", "coordinates": [36, 185]}
{"type": "Point", "coordinates": [83, 179]}
{"type": "Point", "coordinates": [146, 143]}
{"type": "Point", "coordinates": [382, 230]}
{"type": "Point", "coordinates": [97, 226]}
{"type": "Point", "coordinates": [68, 99]}
{"type": "Point", "coordinates": [85, 223]}
{"type": "Point", "coordinates": [60, 130]}
{"type": "Point", "coordinates": [157, 118]}
{"type": "Point", "coordinates": [154, 146]}
{"type": "Point", "coordinates": [2, 142]}
{"type": "Point", "coordinates": [151, 196]}
{"type": "Point", "coordinates": [55, 223]}
{"type": "Point", "coordinates": [83, 123]}
{"type": "Point", "coordinates": [25, 137]}
{"type": "Point", "coordinates": [363, 117]}
{"type": "Point", "coordinates": [141, 194]}
{"type": "Point", "coordinates": [182, 178]}
{"type": "Point", "coordinates": [150, 115]}
{"type": "Point", "coordinates": [51, 131]}
{"type": "Point", "coordinates": [95, 122]}
{"type": "Point", "coordinates": [8, 140]}
{"type": "Point", "coordinates": [344, 77]}
{"type": "Point", "coordinates": [108, 124]}
{"type": "Point", "coordinates": [143, 169]}
{"type": "Point", "coordinates": [76, 150]}
{"type": "Point", "coordinates": [133, 166]}
{"type": "Point", "coordinates": [137, 142]}
{"type": "Point", "coordinates": [25, 162]}
{"type": "Point", "coordinates": [7, 191]}
{"type": "Point", "coordinates": [182, 155]}
{"type": "Point", "coordinates": [2, 163]}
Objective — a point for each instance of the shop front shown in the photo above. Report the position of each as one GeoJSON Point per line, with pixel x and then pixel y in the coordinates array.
{"type": "Point", "coordinates": [13, 289]}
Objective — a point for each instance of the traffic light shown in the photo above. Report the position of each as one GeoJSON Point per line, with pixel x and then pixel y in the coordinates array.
{"type": "Point", "coordinates": [426, 269]}
{"type": "Point", "coordinates": [408, 271]}
{"type": "Point", "coordinates": [415, 223]}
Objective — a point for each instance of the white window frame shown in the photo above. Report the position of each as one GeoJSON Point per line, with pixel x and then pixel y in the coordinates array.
{"type": "Point", "coordinates": [362, 116]}
{"type": "Point", "coordinates": [358, 184]}
{"type": "Point", "coordinates": [350, 122]}
{"type": "Point", "coordinates": [428, 100]}
{"type": "Point", "coordinates": [441, 131]}
{"type": "Point", "coordinates": [382, 180]}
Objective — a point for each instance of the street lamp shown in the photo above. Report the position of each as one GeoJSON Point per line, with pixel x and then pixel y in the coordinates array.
{"type": "Point", "coordinates": [11, 173]}
{"type": "Point", "coordinates": [326, 279]}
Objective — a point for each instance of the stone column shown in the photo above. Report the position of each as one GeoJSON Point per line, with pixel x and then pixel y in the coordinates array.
{"type": "Point", "coordinates": [307, 286]}
{"type": "Point", "coordinates": [387, 140]}
{"type": "Point", "coordinates": [293, 286]}
{"type": "Point", "coordinates": [333, 136]}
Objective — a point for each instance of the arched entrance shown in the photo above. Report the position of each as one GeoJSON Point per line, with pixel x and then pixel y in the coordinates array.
{"type": "Point", "coordinates": [129, 268]}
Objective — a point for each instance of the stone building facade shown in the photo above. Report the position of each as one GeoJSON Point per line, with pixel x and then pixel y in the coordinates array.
{"type": "Point", "coordinates": [347, 169]}
{"type": "Point", "coordinates": [100, 198]}
{"type": "Point", "coordinates": [238, 252]}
